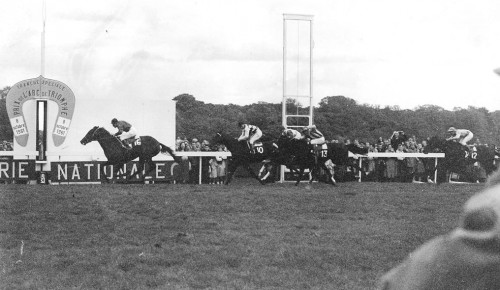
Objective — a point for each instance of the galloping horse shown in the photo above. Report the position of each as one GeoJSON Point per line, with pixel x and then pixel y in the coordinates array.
{"type": "Point", "coordinates": [338, 154]}
{"type": "Point", "coordinates": [118, 155]}
{"type": "Point", "coordinates": [327, 157]}
{"type": "Point", "coordinates": [297, 156]}
{"type": "Point", "coordinates": [241, 156]}
{"type": "Point", "coordinates": [459, 159]}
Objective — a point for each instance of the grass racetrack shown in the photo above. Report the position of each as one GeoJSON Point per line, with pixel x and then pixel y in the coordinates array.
{"type": "Point", "coordinates": [241, 236]}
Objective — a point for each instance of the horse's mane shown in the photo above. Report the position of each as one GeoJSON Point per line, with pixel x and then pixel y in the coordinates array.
{"type": "Point", "coordinates": [104, 130]}
{"type": "Point", "coordinates": [109, 135]}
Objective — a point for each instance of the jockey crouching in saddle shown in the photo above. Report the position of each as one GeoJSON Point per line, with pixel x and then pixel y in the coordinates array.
{"type": "Point", "coordinates": [126, 133]}
{"type": "Point", "coordinates": [251, 133]}
{"type": "Point", "coordinates": [292, 135]}
{"type": "Point", "coordinates": [313, 136]}
{"type": "Point", "coordinates": [316, 140]}
{"type": "Point", "coordinates": [462, 136]}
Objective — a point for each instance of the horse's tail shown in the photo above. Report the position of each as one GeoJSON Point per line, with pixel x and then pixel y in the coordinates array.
{"type": "Point", "coordinates": [165, 149]}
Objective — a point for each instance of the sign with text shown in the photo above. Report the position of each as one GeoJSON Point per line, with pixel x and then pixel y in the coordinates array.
{"type": "Point", "coordinates": [17, 170]}
{"type": "Point", "coordinates": [93, 171]}
{"type": "Point", "coordinates": [39, 88]}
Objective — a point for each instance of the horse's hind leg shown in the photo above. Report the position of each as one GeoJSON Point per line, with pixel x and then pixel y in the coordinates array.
{"type": "Point", "coordinates": [148, 167]}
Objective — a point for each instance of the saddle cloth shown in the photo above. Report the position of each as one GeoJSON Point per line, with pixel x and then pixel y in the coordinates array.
{"type": "Point", "coordinates": [133, 141]}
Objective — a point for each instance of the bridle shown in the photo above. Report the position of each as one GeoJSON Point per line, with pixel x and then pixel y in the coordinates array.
{"type": "Point", "coordinates": [93, 134]}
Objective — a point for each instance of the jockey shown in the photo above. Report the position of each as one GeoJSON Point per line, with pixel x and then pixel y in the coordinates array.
{"type": "Point", "coordinates": [292, 134]}
{"type": "Point", "coordinates": [463, 135]}
{"type": "Point", "coordinates": [251, 133]}
{"type": "Point", "coordinates": [314, 136]}
{"type": "Point", "coordinates": [125, 131]}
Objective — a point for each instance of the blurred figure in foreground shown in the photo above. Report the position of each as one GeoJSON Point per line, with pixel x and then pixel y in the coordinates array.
{"type": "Point", "coordinates": [466, 258]}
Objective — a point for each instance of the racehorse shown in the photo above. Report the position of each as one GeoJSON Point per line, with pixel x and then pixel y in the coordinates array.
{"type": "Point", "coordinates": [241, 155]}
{"type": "Point", "coordinates": [460, 159]}
{"type": "Point", "coordinates": [118, 155]}
{"type": "Point", "coordinates": [327, 156]}
{"type": "Point", "coordinates": [297, 156]}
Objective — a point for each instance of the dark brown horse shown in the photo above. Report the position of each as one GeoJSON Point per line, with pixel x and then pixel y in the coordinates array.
{"type": "Point", "coordinates": [118, 155]}
{"type": "Point", "coordinates": [241, 156]}
{"type": "Point", "coordinates": [460, 159]}
{"type": "Point", "coordinates": [300, 157]}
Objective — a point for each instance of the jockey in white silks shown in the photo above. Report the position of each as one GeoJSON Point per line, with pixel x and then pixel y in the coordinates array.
{"type": "Point", "coordinates": [462, 135]}
{"type": "Point", "coordinates": [292, 134]}
{"type": "Point", "coordinates": [466, 258]}
{"type": "Point", "coordinates": [125, 131]}
{"type": "Point", "coordinates": [251, 133]}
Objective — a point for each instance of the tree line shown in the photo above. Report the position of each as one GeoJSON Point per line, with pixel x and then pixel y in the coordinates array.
{"type": "Point", "coordinates": [337, 117]}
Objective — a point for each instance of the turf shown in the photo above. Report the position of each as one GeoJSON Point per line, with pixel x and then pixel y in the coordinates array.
{"type": "Point", "coordinates": [241, 236]}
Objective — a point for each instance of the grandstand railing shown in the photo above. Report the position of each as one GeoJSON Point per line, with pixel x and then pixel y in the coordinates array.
{"type": "Point", "coordinates": [436, 156]}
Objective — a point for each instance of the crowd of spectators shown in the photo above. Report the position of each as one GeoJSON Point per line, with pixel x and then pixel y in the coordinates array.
{"type": "Point", "coordinates": [400, 169]}
{"type": "Point", "coordinates": [6, 146]}
{"type": "Point", "coordinates": [214, 168]}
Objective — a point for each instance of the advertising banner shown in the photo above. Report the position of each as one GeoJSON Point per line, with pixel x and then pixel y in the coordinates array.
{"type": "Point", "coordinates": [17, 170]}
{"type": "Point", "coordinates": [91, 171]}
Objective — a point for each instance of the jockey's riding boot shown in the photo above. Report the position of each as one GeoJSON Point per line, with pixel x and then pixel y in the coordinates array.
{"type": "Point", "coordinates": [126, 144]}
{"type": "Point", "coordinates": [250, 147]}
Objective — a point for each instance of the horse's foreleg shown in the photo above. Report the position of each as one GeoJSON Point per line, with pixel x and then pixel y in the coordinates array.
{"type": "Point", "coordinates": [299, 176]}
{"type": "Point", "coordinates": [266, 168]}
{"type": "Point", "coordinates": [330, 171]}
{"type": "Point", "coordinates": [117, 171]}
{"type": "Point", "coordinates": [139, 172]}
{"type": "Point", "coordinates": [249, 169]}
{"type": "Point", "coordinates": [230, 171]}
{"type": "Point", "coordinates": [103, 176]}
{"type": "Point", "coordinates": [313, 173]}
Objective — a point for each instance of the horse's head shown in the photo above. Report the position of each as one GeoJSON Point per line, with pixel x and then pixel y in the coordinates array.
{"type": "Point", "coordinates": [217, 139]}
{"type": "Point", "coordinates": [220, 138]}
{"type": "Point", "coordinates": [283, 141]}
{"type": "Point", "coordinates": [435, 144]}
{"type": "Point", "coordinates": [92, 135]}
{"type": "Point", "coordinates": [357, 149]}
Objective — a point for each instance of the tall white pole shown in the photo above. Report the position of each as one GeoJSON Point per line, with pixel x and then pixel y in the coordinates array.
{"type": "Point", "coordinates": [44, 15]}
{"type": "Point", "coordinates": [41, 108]}
{"type": "Point", "coordinates": [297, 18]}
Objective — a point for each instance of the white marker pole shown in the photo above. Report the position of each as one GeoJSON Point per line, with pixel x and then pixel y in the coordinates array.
{"type": "Point", "coordinates": [44, 16]}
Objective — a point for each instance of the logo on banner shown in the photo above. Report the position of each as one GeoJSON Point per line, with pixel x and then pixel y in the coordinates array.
{"type": "Point", "coordinates": [40, 89]}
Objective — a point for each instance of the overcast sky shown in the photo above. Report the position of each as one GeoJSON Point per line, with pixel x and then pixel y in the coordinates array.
{"type": "Point", "coordinates": [389, 52]}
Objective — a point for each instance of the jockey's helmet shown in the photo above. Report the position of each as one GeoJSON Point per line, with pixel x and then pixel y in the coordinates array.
{"type": "Point", "coordinates": [240, 123]}
{"type": "Point", "coordinates": [452, 129]}
{"type": "Point", "coordinates": [289, 133]}
{"type": "Point", "coordinates": [114, 121]}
